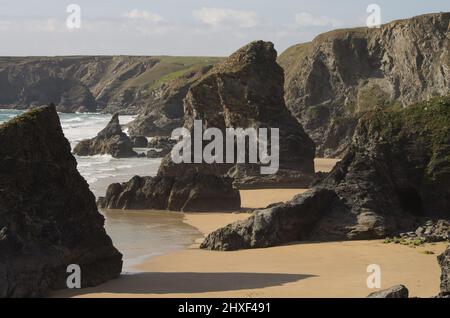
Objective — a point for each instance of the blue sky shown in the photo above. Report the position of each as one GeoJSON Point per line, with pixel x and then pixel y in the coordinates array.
{"type": "Point", "coordinates": [182, 27]}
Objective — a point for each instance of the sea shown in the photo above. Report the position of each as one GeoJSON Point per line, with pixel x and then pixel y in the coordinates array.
{"type": "Point", "coordinates": [139, 235]}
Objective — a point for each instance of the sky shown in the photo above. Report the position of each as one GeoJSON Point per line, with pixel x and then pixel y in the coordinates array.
{"type": "Point", "coordinates": [181, 27]}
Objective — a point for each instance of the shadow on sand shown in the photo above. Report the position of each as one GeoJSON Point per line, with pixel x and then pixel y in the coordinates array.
{"type": "Point", "coordinates": [169, 283]}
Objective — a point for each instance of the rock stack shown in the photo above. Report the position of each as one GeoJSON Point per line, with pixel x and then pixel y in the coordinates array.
{"type": "Point", "coordinates": [111, 140]}
{"type": "Point", "coordinates": [246, 91]}
{"type": "Point", "coordinates": [48, 216]}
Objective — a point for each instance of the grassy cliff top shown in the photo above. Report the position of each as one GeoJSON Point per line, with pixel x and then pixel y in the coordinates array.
{"type": "Point", "coordinates": [426, 125]}
{"type": "Point", "coordinates": [298, 52]}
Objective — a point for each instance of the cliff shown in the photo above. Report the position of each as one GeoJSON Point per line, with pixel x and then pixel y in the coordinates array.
{"type": "Point", "coordinates": [110, 84]}
{"type": "Point", "coordinates": [395, 176]}
{"type": "Point", "coordinates": [333, 80]}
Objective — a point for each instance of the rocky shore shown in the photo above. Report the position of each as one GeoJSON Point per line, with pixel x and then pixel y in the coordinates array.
{"type": "Point", "coordinates": [395, 174]}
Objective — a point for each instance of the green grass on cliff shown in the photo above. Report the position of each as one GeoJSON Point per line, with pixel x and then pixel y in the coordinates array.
{"type": "Point", "coordinates": [27, 117]}
{"type": "Point", "coordinates": [293, 54]}
{"type": "Point", "coordinates": [428, 123]}
{"type": "Point", "coordinates": [169, 68]}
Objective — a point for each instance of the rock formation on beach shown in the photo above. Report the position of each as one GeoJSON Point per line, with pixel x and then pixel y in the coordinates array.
{"type": "Point", "coordinates": [191, 193]}
{"type": "Point", "coordinates": [48, 216]}
{"type": "Point", "coordinates": [246, 91]}
{"type": "Point", "coordinates": [430, 231]}
{"type": "Point", "coordinates": [111, 140]}
{"type": "Point", "coordinates": [139, 141]}
{"type": "Point", "coordinates": [395, 174]}
{"type": "Point", "coordinates": [399, 291]}
{"type": "Point", "coordinates": [333, 80]}
{"type": "Point", "coordinates": [444, 263]}
{"type": "Point", "coordinates": [125, 84]}
{"type": "Point", "coordinates": [162, 146]}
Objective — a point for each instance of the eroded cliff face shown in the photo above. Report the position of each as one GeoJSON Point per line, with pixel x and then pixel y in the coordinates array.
{"type": "Point", "coordinates": [333, 80]}
{"type": "Point", "coordinates": [246, 91]}
{"type": "Point", "coordinates": [165, 110]}
{"type": "Point", "coordinates": [110, 84]}
{"type": "Point", "coordinates": [48, 216]}
{"type": "Point", "coordinates": [395, 175]}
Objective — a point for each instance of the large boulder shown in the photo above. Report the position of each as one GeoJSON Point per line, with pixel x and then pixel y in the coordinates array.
{"type": "Point", "coordinates": [398, 291]}
{"type": "Point", "coordinates": [111, 140]}
{"type": "Point", "coordinates": [333, 80]}
{"type": "Point", "coordinates": [48, 216]}
{"type": "Point", "coordinates": [139, 141]}
{"type": "Point", "coordinates": [395, 175]}
{"type": "Point", "coordinates": [192, 193]}
{"type": "Point", "coordinates": [246, 91]}
{"type": "Point", "coordinates": [161, 142]}
{"type": "Point", "coordinates": [153, 153]}
{"type": "Point", "coordinates": [444, 263]}
{"type": "Point", "coordinates": [286, 222]}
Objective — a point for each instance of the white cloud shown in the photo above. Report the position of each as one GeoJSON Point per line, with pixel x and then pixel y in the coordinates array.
{"type": "Point", "coordinates": [5, 25]}
{"type": "Point", "coordinates": [33, 25]}
{"type": "Point", "coordinates": [217, 17]}
{"type": "Point", "coordinates": [137, 14]}
{"type": "Point", "coordinates": [305, 19]}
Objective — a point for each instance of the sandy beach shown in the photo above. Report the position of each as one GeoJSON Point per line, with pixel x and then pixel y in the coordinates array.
{"type": "Point", "coordinates": [336, 269]}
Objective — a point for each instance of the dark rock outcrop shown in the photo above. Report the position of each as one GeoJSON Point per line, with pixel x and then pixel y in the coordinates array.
{"type": "Point", "coordinates": [398, 291]}
{"type": "Point", "coordinates": [192, 193]}
{"type": "Point", "coordinates": [444, 263]}
{"type": "Point", "coordinates": [430, 231]}
{"type": "Point", "coordinates": [396, 173]}
{"type": "Point", "coordinates": [333, 80]}
{"type": "Point", "coordinates": [152, 153]}
{"type": "Point", "coordinates": [139, 141]}
{"type": "Point", "coordinates": [286, 222]}
{"type": "Point", "coordinates": [111, 140]}
{"type": "Point", "coordinates": [246, 91]}
{"type": "Point", "coordinates": [48, 216]}
{"type": "Point", "coordinates": [161, 142]}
